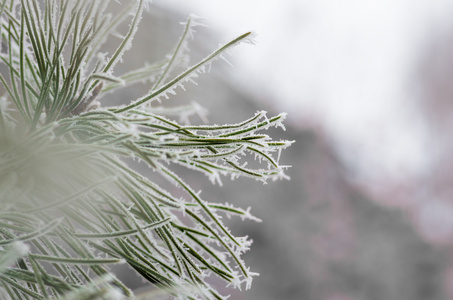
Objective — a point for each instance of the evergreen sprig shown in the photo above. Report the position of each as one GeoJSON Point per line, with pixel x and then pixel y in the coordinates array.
{"type": "Point", "coordinates": [70, 202]}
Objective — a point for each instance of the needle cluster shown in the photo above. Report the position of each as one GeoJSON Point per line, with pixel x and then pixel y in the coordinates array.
{"type": "Point", "coordinates": [70, 204]}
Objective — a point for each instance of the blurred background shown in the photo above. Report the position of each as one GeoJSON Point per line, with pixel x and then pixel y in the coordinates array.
{"type": "Point", "coordinates": [368, 213]}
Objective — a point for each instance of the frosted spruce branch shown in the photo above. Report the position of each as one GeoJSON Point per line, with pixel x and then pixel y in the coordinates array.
{"type": "Point", "coordinates": [70, 204]}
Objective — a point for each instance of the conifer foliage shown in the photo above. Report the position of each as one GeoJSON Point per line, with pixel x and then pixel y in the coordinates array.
{"type": "Point", "coordinates": [70, 204]}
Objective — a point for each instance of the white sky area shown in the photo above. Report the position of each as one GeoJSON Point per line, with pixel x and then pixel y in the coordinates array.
{"type": "Point", "coordinates": [347, 65]}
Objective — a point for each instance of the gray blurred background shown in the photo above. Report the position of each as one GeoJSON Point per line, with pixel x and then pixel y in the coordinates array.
{"type": "Point", "coordinates": [368, 212]}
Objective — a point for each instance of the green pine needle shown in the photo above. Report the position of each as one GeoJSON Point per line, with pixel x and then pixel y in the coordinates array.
{"type": "Point", "coordinates": [70, 205]}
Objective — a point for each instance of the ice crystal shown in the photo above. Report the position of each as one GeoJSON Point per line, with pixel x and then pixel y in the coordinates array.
{"type": "Point", "coordinates": [71, 204]}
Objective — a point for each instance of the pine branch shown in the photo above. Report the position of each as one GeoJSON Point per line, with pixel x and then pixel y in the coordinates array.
{"type": "Point", "coordinates": [70, 206]}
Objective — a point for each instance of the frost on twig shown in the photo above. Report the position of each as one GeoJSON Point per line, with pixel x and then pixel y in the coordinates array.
{"type": "Point", "coordinates": [70, 204]}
